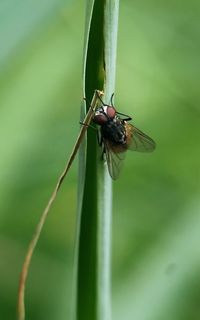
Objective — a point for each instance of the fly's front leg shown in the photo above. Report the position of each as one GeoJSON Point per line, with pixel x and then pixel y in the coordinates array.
{"type": "Point", "coordinates": [87, 125]}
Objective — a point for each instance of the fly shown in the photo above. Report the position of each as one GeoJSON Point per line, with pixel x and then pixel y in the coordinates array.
{"type": "Point", "coordinates": [118, 136]}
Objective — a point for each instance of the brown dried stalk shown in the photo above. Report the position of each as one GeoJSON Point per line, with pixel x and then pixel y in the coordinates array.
{"type": "Point", "coordinates": [36, 235]}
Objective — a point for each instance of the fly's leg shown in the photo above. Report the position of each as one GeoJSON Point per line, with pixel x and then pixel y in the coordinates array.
{"type": "Point", "coordinates": [125, 115]}
{"type": "Point", "coordinates": [87, 125]}
{"type": "Point", "coordinates": [121, 114]}
{"type": "Point", "coordinates": [103, 104]}
{"type": "Point", "coordinates": [99, 138]}
{"type": "Point", "coordinates": [88, 103]}
{"type": "Point", "coordinates": [103, 151]}
{"type": "Point", "coordinates": [101, 144]}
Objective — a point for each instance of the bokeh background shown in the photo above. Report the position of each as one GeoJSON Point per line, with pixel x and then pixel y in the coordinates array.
{"type": "Point", "coordinates": [156, 214]}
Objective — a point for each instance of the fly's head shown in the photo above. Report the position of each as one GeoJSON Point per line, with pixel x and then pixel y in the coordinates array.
{"type": "Point", "coordinates": [104, 114]}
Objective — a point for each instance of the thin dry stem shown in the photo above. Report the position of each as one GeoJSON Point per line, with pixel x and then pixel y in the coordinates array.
{"type": "Point", "coordinates": [36, 235]}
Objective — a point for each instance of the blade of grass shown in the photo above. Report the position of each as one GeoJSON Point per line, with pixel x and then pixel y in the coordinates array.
{"type": "Point", "coordinates": [95, 190]}
{"type": "Point", "coordinates": [104, 182]}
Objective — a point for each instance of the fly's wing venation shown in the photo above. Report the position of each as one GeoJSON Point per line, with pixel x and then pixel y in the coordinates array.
{"type": "Point", "coordinates": [138, 140]}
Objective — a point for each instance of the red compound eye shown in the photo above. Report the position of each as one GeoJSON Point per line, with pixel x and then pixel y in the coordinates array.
{"type": "Point", "coordinates": [110, 111]}
{"type": "Point", "coordinates": [100, 118]}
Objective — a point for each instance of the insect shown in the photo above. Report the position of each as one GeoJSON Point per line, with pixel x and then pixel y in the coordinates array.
{"type": "Point", "coordinates": [117, 136]}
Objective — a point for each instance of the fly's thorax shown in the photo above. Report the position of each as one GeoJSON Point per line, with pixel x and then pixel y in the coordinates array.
{"type": "Point", "coordinates": [114, 131]}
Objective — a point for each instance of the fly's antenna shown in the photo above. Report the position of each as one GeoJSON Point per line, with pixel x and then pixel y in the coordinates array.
{"type": "Point", "coordinates": [111, 99]}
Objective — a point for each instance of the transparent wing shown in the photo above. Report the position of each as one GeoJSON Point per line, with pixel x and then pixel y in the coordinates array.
{"type": "Point", "coordinates": [114, 159]}
{"type": "Point", "coordinates": [137, 140]}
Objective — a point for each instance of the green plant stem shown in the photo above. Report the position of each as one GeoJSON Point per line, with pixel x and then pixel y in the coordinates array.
{"type": "Point", "coordinates": [95, 188]}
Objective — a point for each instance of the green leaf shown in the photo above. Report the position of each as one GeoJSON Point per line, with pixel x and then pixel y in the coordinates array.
{"type": "Point", "coordinates": [95, 188]}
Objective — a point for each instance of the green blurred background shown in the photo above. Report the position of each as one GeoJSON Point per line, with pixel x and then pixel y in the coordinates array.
{"type": "Point", "coordinates": [156, 214]}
